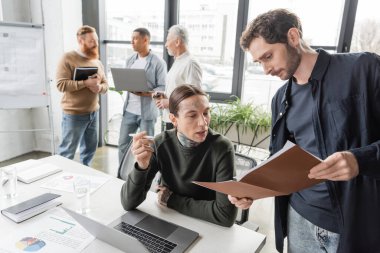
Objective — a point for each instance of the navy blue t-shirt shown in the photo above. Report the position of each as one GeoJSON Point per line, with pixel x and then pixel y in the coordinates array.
{"type": "Point", "coordinates": [313, 203]}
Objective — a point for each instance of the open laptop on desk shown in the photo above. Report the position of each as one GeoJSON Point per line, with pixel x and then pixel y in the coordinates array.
{"type": "Point", "coordinates": [152, 234]}
{"type": "Point", "coordinates": [130, 79]}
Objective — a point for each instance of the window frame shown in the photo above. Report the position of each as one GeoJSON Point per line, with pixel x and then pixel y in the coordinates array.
{"type": "Point", "coordinates": [94, 14]}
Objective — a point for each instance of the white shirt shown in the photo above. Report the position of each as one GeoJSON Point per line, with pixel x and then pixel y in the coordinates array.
{"type": "Point", "coordinates": [185, 70]}
{"type": "Point", "coordinates": [134, 102]}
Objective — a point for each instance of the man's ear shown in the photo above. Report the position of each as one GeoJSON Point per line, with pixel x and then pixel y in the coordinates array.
{"type": "Point", "coordinates": [177, 42]}
{"type": "Point", "coordinates": [294, 37]}
{"type": "Point", "coordinates": [173, 119]}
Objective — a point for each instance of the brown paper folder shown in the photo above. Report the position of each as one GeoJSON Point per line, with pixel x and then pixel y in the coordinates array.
{"type": "Point", "coordinates": [283, 173]}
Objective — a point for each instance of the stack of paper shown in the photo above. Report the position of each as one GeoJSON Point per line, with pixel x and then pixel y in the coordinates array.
{"type": "Point", "coordinates": [31, 207]}
{"type": "Point", "coordinates": [36, 172]}
{"type": "Point", "coordinates": [32, 170]}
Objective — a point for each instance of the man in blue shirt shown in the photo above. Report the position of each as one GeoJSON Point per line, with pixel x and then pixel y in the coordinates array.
{"type": "Point", "coordinates": [140, 111]}
{"type": "Point", "coordinates": [329, 106]}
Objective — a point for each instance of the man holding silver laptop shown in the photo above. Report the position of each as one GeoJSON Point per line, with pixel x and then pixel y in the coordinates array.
{"type": "Point", "coordinates": [139, 110]}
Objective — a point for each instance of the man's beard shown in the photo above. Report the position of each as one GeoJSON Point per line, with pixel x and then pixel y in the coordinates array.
{"type": "Point", "coordinates": [170, 52]}
{"type": "Point", "coordinates": [294, 59]}
{"type": "Point", "coordinates": [91, 53]}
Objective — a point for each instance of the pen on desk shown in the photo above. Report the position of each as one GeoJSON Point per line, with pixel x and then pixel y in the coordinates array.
{"type": "Point", "coordinates": [145, 137]}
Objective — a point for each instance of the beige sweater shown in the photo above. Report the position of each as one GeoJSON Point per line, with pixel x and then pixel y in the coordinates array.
{"type": "Point", "coordinates": [77, 99]}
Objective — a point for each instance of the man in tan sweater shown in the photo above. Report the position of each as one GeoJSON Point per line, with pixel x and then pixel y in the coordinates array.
{"type": "Point", "coordinates": [80, 98]}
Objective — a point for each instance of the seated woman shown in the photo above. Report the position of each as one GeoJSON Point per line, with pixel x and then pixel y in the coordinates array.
{"type": "Point", "coordinates": [189, 152]}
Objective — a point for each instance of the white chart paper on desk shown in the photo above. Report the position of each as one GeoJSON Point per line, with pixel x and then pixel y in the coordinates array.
{"type": "Point", "coordinates": [64, 182]}
{"type": "Point", "coordinates": [53, 231]}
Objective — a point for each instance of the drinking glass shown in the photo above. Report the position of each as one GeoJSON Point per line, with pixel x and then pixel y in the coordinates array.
{"type": "Point", "coordinates": [82, 188]}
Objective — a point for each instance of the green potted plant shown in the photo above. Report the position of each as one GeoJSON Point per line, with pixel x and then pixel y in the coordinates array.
{"type": "Point", "coordinates": [242, 123]}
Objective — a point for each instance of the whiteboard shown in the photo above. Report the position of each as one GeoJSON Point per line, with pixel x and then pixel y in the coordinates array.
{"type": "Point", "coordinates": [22, 66]}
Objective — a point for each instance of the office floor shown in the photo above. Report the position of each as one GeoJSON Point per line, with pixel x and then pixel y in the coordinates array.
{"type": "Point", "coordinates": [106, 160]}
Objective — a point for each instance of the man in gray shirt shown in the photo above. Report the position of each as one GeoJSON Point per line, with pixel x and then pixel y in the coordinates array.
{"type": "Point", "coordinates": [139, 111]}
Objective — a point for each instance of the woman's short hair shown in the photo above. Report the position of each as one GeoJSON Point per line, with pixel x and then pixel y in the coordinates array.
{"type": "Point", "coordinates": [181, 32]}
{"type": "Point", "coordinates": [273, 26]}
{"type": "Point", "coordinates": [85, 29]}
{"type": "Point", "coordinates": [181, 93]}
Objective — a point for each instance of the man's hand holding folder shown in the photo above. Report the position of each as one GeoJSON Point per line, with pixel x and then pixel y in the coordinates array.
{"type": "Point", "coordinates": [283, 173]}
{"type": "Point", "coordinates": [93, 83]}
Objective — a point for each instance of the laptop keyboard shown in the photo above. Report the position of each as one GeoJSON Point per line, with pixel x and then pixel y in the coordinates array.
{"type": "Point", "coordinates": [152, 242]}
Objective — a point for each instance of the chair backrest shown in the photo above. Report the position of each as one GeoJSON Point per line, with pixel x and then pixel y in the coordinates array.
{"type": "Point", "coordinates": [127, 164]}
{"type": "Point", "coordinates": [243, 163]}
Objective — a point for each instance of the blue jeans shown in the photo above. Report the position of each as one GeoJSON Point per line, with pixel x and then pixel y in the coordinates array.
{"type": "Point", "coordinates": [129, 125]}
{"type": "Point", "coordinates": [81, 129]}
{"type": "Point", "coordinates": [303, 236]}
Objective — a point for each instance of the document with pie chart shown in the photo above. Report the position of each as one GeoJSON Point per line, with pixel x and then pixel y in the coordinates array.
{"type": "Point", "coordinates": [54, 231]}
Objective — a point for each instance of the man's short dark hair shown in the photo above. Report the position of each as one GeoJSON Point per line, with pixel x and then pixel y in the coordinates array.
{"type": "Point", "coordinates": [273, 26]}
{"type": "Point", "coordinates": [143, 32]}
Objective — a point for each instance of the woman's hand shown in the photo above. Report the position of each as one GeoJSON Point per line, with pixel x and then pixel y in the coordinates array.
{"type": "Point", "coordinates": [142, 149]}
{"type": "Point", "coordinates": [243, 203]}
{"type": "Point", "coordinates": [163, 195]}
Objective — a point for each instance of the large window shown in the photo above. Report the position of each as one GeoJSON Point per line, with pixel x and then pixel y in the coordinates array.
{"type": "Point", "coordinates": [122, 17]}
{"type": "Point", "coordinates": [366, 35]}
{"type": "Point", "coordinates": [212, 28]}
{"type": "Point", "coordinates": [318, 31]}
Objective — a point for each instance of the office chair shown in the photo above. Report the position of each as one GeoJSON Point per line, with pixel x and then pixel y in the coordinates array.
{"type": "Point", "coordinates": [128, 162]}
{"type": "Point", "coordinates": [244, 163]}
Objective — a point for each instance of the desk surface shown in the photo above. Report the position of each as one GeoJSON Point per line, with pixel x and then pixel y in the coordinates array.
{"type": "Point", "coordinates": [106, 207]}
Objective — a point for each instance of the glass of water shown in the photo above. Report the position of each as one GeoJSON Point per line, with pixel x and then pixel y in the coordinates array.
{"type": "Point", "coordinates": [82, 188]}
{"type": "Point", "coordinates": [8, 181]}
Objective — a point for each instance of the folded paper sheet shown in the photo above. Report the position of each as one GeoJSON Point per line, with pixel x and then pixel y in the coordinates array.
{"type": "Point", "coordinates": [283, 173]}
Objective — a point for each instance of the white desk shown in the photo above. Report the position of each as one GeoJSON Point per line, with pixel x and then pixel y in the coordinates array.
{"type": "Point", "coordinates": [106, 207]}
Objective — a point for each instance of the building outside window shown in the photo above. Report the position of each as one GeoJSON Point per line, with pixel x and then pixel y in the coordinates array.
{"type": "Point", "coordinates": [320, 30]}
{"type": "Point", "coordinates": [212, 28]}
{"type": "Point", "coordinates": [366, 35]}
{"type": "Point", "coordinates": [122, 17]}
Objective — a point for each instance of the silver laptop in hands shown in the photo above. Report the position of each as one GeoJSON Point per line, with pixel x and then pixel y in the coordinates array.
{"type": "Point", "coordinates": [133, 80]}
{"type": "Point", "coordinates": [137, 231]}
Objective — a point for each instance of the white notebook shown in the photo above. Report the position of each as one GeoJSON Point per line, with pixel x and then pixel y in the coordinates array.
{"type": "Point", "coordinates": [32, 170]}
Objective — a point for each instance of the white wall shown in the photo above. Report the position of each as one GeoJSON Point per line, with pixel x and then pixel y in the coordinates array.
{"type": "Point", "coordinates": [14, 143]}
{"type": "Point", "coordinates": [61, 19]}
{"type": "Point", "coordinates": [16, 10]}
